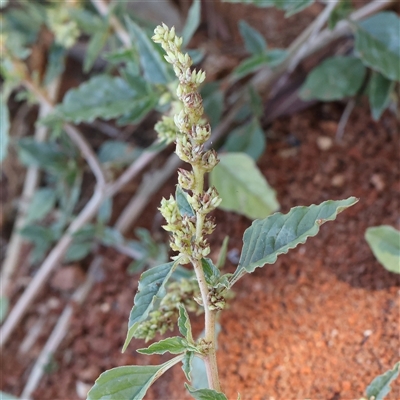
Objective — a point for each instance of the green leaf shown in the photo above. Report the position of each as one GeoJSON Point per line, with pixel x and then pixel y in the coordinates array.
{"type": "Point", "coordinates": [173, 345]}
{"type": "Point", "coordinates": [42, 154]}
{"type": "Point", "coordinates": [196, 55]}
{"type": "Point", "coordinates": [222, 253]}
{"type": "Point", "coordinates": [78, 251]}
{"type": "Point", "coordinates": [341, 11]}
{"type": "Point", "coordinates": [117, 152]}
{"type": "Point", "coordinates": [55, 63]}
{"type": "Point", "coordinates": [187, 364]}
{"type": "Point", "coordinates": [290, 6]}
{"type": "Point", "coordinates": [270, 58]}
{"type": "Point", "coordinates": [95, 45]}
{"type": "Point", "coordinates": [256, 103]}
{"type": "Point", "coordinates": [122, 55]}
{"type": "Point", "coordinates": [184, 206]}
{"type": "Point", "coordinates": [293, 7]}
{"type": "Point", "coordinates": [6, 396]}
{"type": "Point", "coordinates": [4, 306]}
{"type": "Point", "coordinates": [199, 372]}
{"type": "Point", "coordinates": [41, 204]}
{"type": "Point", "coordinates": [128, 383]}
{"type": "Point", "coordinates": [110, 236]}
{"type": "Point", "coordinates": [211, 272]}
{"type": "Point", "coordinates": [87, 21]}
{"type": "Point", "coordinates": [42, 238]}
{"type": "Point", "coordinates": [154, 66]}
{"type": "Point", "coordinates": [213, 102]}
{"type": "Point", "coordinates": [37, 233]}
{"type": "Point", "coordinates": [142, 107]}
{"type": "Point", "coordinates": [266, 239]}
{"type": "Point", "coordinates": [248, 138]}
{"type": "Point", "coordinates": [184, 324]}
{"type": "Point", "coordinates": [384, 242]}
{"type": "Point", "coordinates": [4, 128]}
{"type": "Point", "coordinates": [254, 42]}
{"type": "Point", "coordinates": [335, 78]}
{"type": "Point", "coordinates": [103, 97]}
{"type": "Point", "coordinates": [87, 232]}
{"type": "Point", "coordinates": [192, 22]}
{"type": "Point", "coordinates": [378, 43]}
{"type": "Point", "coordinates": [379, 90]}
{"type": "Point", "coordinates": [242, 187]}
{"type": "Point", "coordinates": [105, 211]}
{"type": "Point", "coordinates": [151, 288]}
{"type": "Point", "coordinates": [380, 386]}
{"type": "Point", "coordinates": [205, 394]}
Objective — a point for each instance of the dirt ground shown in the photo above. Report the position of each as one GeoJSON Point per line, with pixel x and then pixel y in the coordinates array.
{"type": "Point", "coordinates": [319, 324]}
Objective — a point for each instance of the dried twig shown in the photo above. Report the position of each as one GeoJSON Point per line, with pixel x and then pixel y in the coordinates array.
{"type": "Point", "coordinates": [344, 118]}
{"type": "Point", "coordinates": [30, 184]}
{"type": "Point", "coordinates": [316, 26]}
{"type": "Point", "coordinates": [59, 331]}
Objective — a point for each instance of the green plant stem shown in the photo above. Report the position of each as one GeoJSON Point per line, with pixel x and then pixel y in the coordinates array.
{"type": "Point", "coordinates": [210, 359]}
{"type": "Point", "coordinates": [198, 179]}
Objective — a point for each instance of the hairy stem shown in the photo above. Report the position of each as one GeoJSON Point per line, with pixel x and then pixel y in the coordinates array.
{"type": "Point", "coordinates": [210, 359]}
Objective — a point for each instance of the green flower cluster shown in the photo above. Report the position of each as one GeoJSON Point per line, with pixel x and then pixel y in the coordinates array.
{"type": "Point", "coordinates": [165, 317]}
{"type": "Point", "coordinates": [188, 231]}
{"type": "Point", "coordinates": [65, 29]}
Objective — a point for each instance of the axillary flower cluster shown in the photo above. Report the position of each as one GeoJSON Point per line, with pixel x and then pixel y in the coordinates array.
{"type": "Point", "coordinates": [188, 230]}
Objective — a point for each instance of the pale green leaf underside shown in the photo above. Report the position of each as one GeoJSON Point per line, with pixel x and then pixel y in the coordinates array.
{"type": "Point", "coordinates": [3, 395]}
{"type": "Point", "coordinates": [205, 394]}
{"type": "Point", "coordinates": [103, 97]}
{"type": "Point", "coordinates": [192, 22]}
{"type": "Point", "coordinates": [242, 187]}
{"type": "Point", "coordinates": [173, 345]}
{"type": "Point", "coordinates": [128, 383]}
{"type": "Point", "coordinates": [4, 305]}
{"type": "Point", "coordinates": [187, 364]}
{"type": "Point", "coordinates": [41, 204]}
{"type": "Point", "coordinates": [384, 242]}
{"type": "Point", "coordinates": [151, 288]}
{"type": "Point", "coordinates": [4, 128]}
{"type": "Point", "coordinates": [380, 386]}
{"type": "Point", "coordinates": [378, 43]}
{"type": "Point", "coordinates": [277, 234]}
{"type": "Point", "coordinates": [184, 324]}
{"type": "Point", "coordinates": [334, 79]}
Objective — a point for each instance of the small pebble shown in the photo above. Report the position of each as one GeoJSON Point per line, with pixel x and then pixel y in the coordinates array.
{"type": "Point", "coordinates": [378, 182]}
{"type": "Point", "coordinates": [338, 180]}
{"type": "Point", "coordinates": [324, 142]}
{"type": "Point", "coordinates": [82, 389]}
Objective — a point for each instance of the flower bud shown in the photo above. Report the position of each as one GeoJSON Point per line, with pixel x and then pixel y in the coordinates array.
{"type": "Point", "coordinates": [185, 179]}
